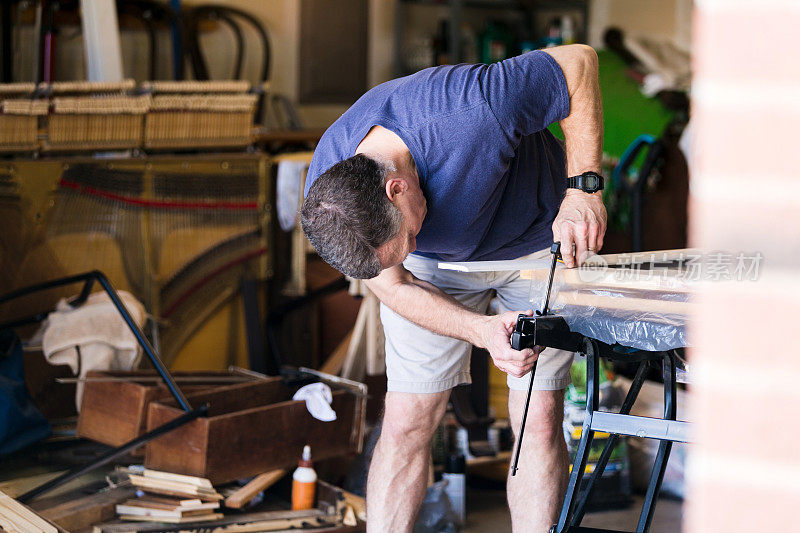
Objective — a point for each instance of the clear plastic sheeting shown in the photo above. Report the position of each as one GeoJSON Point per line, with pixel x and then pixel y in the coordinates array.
{"type": "Point", "coordinates": [642, 309]}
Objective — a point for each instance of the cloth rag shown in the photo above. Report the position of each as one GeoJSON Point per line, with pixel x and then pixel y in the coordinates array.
{"type": "Point", "coordinates": [289, 186]}
{"type": "Point", "coordinates": [93, 336]}
{"type": "Point", "coordinates": [318, 401]}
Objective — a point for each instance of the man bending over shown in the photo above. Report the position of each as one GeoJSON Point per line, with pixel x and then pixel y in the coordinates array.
{"type": "Point", "coordinates": [455, 163]}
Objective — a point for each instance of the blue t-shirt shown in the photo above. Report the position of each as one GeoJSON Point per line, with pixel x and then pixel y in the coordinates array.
{"type": "Point", "coordinates": [492, 175]}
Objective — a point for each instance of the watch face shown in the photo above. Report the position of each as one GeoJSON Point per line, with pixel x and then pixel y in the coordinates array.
{"type": "Point", "coordinates": [591, 182]}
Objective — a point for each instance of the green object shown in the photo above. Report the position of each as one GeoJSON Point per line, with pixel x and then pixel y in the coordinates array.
{"type": "Point", "coordinates": [496, 42]}
{"type": "Point", "coordinates": [627, 113]}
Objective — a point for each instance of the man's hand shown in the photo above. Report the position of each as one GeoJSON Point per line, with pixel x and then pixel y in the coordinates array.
{"type": "Point", "coordinates": [495, 337]}
{"type": "Point", "coordinates": [581, 221]}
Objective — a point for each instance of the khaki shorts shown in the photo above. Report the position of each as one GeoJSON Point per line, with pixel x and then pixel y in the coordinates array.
{"type": "Point", "coordinates": [420, 361]}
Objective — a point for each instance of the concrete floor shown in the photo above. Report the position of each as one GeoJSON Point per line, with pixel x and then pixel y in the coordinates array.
{"type": "Point", "coordinates": [487, 512]}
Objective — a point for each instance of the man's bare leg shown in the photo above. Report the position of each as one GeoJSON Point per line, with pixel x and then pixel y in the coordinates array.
{"type": "Point", "coordinates": [536, 492]}
{"type": "Point", "coordinates": [398, 474]}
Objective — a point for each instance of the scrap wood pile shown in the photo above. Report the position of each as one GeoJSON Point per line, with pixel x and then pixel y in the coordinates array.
{"type": "Point", "coordinates": [142, 500]}
{"type": "Point", "coordinates": [172, 498]}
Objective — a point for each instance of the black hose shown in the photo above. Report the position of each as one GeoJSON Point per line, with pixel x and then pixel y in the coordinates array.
{"type": "Point", "coordinates": [165, 13]}
{"type": "Point", "coordinates": [209, 11]}
{"type": "Point", "coordinates": [139, 12]}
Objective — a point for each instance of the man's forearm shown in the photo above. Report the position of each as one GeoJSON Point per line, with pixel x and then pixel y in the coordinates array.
{"type": "Point", "coordinates": [430, 307]}
{"type": "Point", "coordinates": [583, 128]}
{"type": "Point", "coordinates": [581, 220]}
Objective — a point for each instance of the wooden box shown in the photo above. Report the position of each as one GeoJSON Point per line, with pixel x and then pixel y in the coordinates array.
{"type": "Point", "coordinates": [253, 428]}
{"type": "Point", "coordinates": [115, 412]}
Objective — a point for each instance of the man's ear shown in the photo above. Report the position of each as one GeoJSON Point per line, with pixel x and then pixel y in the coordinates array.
{"type": "Point", "coordinates": [394, 187]}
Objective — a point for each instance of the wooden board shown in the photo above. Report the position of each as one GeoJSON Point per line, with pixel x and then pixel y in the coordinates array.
{"type": "Point", "coordinates": [614, 279]}
{"type": "Point", "coordinates": [16, 517]}
{"type": "Point", "coordinates": [544, 263]}
{"type": "Point", "coordinates": [86, 511]}
{"type": "Point", "coordinates": [115, 412]}
{"type": "Point", "coordinates": [249, 518]}
{"type": "Point", "coordinates": [239, 499]}
{"type": "Point", "coordinates": [251, 428]}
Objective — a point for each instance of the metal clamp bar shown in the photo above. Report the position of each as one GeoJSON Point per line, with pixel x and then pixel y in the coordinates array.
{"type": "Point", "coordinates": [114, 453]}
{"type": "Point", "coordinates": [640, 426]}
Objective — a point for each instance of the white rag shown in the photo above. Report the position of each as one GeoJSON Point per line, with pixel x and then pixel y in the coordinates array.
{"type": "Point", "coordinates": [318, 399]}
{"type": "Point", "coordinates": [93, 336]}
{"type": "Point", "coordinates": [290, 183]}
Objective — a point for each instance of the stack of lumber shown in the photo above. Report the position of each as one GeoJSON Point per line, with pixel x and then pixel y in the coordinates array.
{"type": "Point", "coordinates": [173, 498]}
{"type": "Point", "coordinates": [167, 509]}
{"type": "Point", "coordinates": [15, 517]}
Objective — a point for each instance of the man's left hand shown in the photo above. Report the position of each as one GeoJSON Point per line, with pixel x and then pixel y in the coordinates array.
{"type": "Point", "coordinates": [581, 221]}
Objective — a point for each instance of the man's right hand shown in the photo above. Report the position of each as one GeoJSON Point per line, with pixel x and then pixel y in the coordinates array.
{"type": "Point", "coordinates": [495, 336]}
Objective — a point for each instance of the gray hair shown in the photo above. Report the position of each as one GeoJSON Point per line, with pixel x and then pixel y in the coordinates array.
{"type": "Point", "coordinates": [347, 216]}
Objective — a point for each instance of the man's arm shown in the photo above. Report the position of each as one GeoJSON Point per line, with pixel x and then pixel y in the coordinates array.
{"type": "Point", "coordinates": [429, 307]}
{"type": "Point", "coordinates": [582, 217]}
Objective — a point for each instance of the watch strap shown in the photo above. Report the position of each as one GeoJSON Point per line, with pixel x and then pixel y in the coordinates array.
{"type": "Point", "coordinates": [588, 182]}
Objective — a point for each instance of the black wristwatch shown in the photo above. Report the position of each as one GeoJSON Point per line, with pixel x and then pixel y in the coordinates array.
{"type": "Point", "coordinates": [587, 182]}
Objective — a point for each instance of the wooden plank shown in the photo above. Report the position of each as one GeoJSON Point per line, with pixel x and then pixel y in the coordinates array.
{"type": "Point", "coordinates": [495, 266]}
{"type": "Point", "coordinates": [290, 524]}
{"type": "Point", "coordinates": [357, 503]}
{"type": "Point", "coordinates": [178, 478]}
{"type": "Point", "coordinates": [657, 309]}
{"type": "Point", "coordinates": [238, 499]}
{"type": "Point", "coordinates": [17, 516]}
{"type": "Point", "coordinates": [644, 257]}
{"type": "Point", "coordinates": [655, 280]}
{"type": "Point", "coordinates": [230, 520]}
{"type": "Point", "coordinates": [15, 487]}
{"type": "Point", "coordinates": [87, 510]}
{"type": "Point", "coordinates": [333, 365]}
{"type": "Point", "coordinates": [544, 263]}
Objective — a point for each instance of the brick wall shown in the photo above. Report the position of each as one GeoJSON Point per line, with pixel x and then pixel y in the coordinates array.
{"type": "Point", "coordinates": [744, 470]}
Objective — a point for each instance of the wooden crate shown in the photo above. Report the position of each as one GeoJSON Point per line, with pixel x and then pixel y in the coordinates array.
{"type": "Point", "coordinates": [252, 428]}
{"type": "Point", "coordinates": [115, 412]}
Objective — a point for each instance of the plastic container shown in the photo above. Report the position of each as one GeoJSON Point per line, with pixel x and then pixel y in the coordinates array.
{"type": "Point", "coordinates": [304, 483]}
{"type": "Point", "coordinates": [456, 475]}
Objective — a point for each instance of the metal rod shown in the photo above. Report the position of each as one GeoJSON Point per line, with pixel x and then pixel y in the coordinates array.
{"type": "Point", "coordinates": [565, 519]}
{"type": "Point", "coordinates": [146, 346]}
{"type": "Point", "coordinates": [88, 278]}
{"type": "Point", "coordinates": [114, 453]}
{"type": "Point", "coordinates": [555, 249]}
{"type": "Point", "coordinates": [664, 447]}
{"type": "Point", "coordinates": [514, 466]}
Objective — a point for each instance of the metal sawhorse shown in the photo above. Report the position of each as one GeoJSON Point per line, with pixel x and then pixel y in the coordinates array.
{"type": "Point", "coordinates": [552, 331]}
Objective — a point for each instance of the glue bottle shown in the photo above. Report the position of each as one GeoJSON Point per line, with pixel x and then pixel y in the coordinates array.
{"type": "Point", "coordinates": [304, 482]}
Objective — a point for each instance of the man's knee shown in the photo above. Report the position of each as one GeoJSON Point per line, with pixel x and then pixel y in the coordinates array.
{"type": "Point", "coordinates": [545, 416]}
{"type": "Point", "coordinates": [412, 418]}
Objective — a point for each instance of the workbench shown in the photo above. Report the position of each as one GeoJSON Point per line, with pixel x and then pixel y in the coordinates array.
{"type": "Point", "coordinates": [610, 313]}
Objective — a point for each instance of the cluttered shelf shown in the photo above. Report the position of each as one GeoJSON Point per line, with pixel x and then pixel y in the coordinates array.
{"type": "Point", "coordinates": [485, 31]}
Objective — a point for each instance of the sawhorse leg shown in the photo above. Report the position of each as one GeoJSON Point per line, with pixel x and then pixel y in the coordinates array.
{"type": "Point", "coordinates": [572, 514]}
{"type": "Point", "coordinates": [565, 519]}
{"type": "Point", "coordinates": [613, 439]}
{"type": "Point", "coordinates": [664, 447]}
